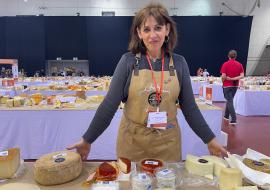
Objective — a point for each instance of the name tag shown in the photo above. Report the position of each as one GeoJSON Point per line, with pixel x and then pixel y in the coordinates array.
{"type": "Point", "coordinates": [157, 120]}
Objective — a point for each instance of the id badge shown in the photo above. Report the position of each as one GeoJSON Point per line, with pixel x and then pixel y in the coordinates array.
{"type": "Point", "coordinates": [157, 120]}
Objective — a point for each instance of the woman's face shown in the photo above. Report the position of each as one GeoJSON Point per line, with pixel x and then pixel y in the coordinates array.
{"type": "Point", "coordinates": [153, 34]}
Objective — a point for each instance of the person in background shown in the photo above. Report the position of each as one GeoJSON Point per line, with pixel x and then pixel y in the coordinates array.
{"type": "Point", "coordinates": [205, 73]}
{"type": "Point", "coordinates": [200, 72]}
{"type": "Point", "coordinates": [149, 80]}
{"type": "Point", "coordinates": [231, 72]}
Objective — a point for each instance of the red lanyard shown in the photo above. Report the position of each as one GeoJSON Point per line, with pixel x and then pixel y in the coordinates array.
{"type": "Point", "coordinates": [158, 94]}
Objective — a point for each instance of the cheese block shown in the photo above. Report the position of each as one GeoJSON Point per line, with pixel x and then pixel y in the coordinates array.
{"type": "Point", "coordinates": [10, 103]}
{"type": "Point", "coordinates": [124, 165]}
{"type": "Point", "coordinates": [57, 168]}
{"type": "Point", "coordinates": [9, 162]}
{"type": "Point", "coordinates": [247, 188]}
{"type": "Point", "coordinates": [3, 99]}
{"type": "Point", "coordinates": [18, 101]}
{"type": "Point", "coordinates": [19, 186]}
{"type": "Point", "coordinates": [219, 163]}
{"type": "Point", "coordinates": [199, 166]}
{"type": "Point", "coordinates": [230, 178]}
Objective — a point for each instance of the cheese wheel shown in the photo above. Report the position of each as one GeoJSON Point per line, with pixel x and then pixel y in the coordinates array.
{"type": "Point", "coordinates": [199, 166]}
{"type": "Point", "coordinates": [57, 168]}
{"type": "Point", "coordinates": [9, 162]}
{"type": "Point", "coordinates": [230, 178]}
{"type": "Point", "coordinates": [219, 163]}
{"type": "Point", "coordinates": [20, 186]}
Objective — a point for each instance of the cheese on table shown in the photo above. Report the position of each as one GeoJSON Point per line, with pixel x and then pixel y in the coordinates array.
{"type": "Point", "coordinates": [199, 166]}
{"type": "Point", "coordinates": [19, 186]}
{"type": "Point", "coordinates": [247, 188]}
{"type": "Point", "coordinates": [57, 168]}
{"type": "Point", "coordinates": [9, 162]}
{"type": "Point", "coordinates": [124, 164]}
{"type": "Point", "coordinates": [230, 178]}
{"type": "Point", "coordinates": [219, 163]}
{"type": "Point", "coordinates": [10, 103]}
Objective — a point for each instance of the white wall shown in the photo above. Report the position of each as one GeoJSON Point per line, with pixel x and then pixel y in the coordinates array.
{"type": "Point", "coordinates": [258, 56]}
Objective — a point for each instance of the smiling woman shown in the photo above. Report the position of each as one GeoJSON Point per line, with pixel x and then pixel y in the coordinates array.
{"type": "Point", "coordinates": [149, 127]}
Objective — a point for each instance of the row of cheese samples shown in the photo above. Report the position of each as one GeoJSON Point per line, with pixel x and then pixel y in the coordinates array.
{"type": "Point", "coordinates": [60, 101]}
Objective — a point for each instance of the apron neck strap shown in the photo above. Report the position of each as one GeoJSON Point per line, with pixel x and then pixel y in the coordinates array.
{"type": "Point", "coordinates": [171, 66]}
{"type": "Point", "coordinates": [136, 65]}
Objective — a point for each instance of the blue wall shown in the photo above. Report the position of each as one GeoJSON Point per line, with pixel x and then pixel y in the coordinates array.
{"type": "Point", "coordinates": [203, 41]}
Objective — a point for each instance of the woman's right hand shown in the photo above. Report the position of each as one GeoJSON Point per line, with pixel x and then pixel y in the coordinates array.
{"type": "Point", "coordinates": [82, 147]}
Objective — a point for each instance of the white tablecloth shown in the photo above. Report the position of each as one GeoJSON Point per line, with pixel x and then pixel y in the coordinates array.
{"type": "Point", "coordinates": [248, 102]}
{"type": "Point", "coordinates": [196, 86]}
{"type": "Point", "coordinates": [41, 132]}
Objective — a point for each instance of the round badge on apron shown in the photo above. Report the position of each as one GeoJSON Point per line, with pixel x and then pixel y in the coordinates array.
{"type": "Point", "coordinates": [152, 99]}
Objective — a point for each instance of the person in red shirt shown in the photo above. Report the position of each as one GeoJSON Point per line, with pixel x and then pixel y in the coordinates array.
{"type": "Point", "coordinates": [231, 72]}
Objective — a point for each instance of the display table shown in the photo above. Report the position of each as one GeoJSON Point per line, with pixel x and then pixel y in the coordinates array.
{"type": "Point", "coordinates": [252, 102]}
{"type": "Point", "coordinates": [77, 184]}
{"type": "Point", "coordinates": [44, 131]}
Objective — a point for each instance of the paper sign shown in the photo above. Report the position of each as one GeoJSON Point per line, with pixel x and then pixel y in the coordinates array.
{"type": "Point", "coordinates": [157, 120]}
{"type": "Point", "coordinates": [209, 95]}
{"type": "Point", "coordinates": [4, 153]}
{"type": "Point", "coordinates": [67, 99]}
{"type": "Point", "coordinates": [201, 93]}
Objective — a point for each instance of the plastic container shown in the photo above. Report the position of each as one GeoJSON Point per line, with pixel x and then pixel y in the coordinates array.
{"type": "Point", "coordinates": [141, 181]}
{"type": "Point", "coordinates": [166, 178]}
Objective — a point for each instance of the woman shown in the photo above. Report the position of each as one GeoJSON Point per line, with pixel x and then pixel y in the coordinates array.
{"type": "Point", "coordinates": [150, 79]}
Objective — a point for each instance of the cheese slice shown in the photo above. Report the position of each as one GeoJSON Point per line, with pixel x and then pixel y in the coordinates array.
{"type": "Point", "coordinates": [57, 168]}
{"type": "Point", "coordinates": [199, 166]}
{"type": "Point", "coordinates": [19, 186]}
{"type": "Point", "coordinates": [9, 162]}
{"type": "Point", "coordinates": [124, 164]}
{"type": "Point", "coordinates": [219, 163]}
{"type": "Point", "coordinates": [230, 178]}
{"type": "Point", "coordinates": [247, 188]}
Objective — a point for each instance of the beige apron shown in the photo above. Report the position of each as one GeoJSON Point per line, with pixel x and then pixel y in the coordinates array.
{"type": "Point", "coordinates": [136, 141]}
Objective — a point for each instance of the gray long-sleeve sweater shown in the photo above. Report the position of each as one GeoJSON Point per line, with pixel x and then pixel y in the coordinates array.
{"type": "Point", "coordinates": [118, 92]}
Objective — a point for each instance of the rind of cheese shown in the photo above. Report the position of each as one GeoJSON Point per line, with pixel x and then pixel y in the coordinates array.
{"type": "Point", "coordinates": [219, 163]}
{"type": "Point", "coordinates": [53, 169]}
{"type": "Point", "coordinates": [9, 164]}
{"type": "Point", "coordinates": [20, 186]}
{"type": "Point", "coordinates": [230, 178]}
{"type": "Point", "coordinates": [199, 166]}
{"type": "Point", "coordinates": [247, 188]}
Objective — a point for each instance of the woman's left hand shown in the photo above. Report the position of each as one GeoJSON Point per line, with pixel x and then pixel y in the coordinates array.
{"type": "Point", "coordinates": [216, 149]}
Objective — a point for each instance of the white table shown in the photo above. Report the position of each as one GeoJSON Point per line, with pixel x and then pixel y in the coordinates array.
{"type": "Point", "coordinates": [252, 102]}
{"type": "Point", "coordinates": [44, 131]}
